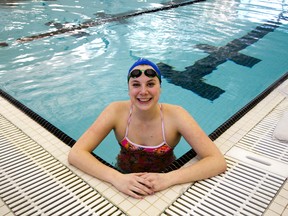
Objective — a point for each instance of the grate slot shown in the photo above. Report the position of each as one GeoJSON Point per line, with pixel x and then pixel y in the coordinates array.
{"type": "Point", "coordinates": [109, 212]}
{"type": "Point", "coordinates": [177, 210]}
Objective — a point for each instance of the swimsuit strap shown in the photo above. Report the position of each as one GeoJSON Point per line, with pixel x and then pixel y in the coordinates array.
{"type": "Point", "coordinates": [162, 123]}
{"type": "Point", "coordinates": [128, 121]}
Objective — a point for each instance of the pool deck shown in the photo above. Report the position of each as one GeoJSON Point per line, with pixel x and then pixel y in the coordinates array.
{"type": "Point", "coordinates": [158, 203]}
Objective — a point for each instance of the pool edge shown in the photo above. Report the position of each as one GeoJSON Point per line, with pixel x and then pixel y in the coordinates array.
{"type": "Point", "coordinates": [181, 160]}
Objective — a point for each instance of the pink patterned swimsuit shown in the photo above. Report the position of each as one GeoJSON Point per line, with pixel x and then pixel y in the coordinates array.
{"type": "Point", "coordinates": [138, 158]}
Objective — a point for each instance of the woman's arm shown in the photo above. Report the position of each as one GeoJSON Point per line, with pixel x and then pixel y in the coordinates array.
{"type": "Point", "coordinates": [211, 161]}
{"type": "Point", "coordinates": [80, 156]}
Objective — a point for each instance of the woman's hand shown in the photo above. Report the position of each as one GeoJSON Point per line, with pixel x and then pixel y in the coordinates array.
{"type": "Point", "coordinates": [133, 185]}
{"type": "Point", "coordinates": [158, 181]}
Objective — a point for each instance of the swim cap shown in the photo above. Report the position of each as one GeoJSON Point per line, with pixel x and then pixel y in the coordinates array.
{"type": "Point", "coordinates": [143, 61]}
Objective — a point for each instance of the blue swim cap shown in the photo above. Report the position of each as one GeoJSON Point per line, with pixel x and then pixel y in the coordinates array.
{"type": "Point", "coordinates": [143, 61]}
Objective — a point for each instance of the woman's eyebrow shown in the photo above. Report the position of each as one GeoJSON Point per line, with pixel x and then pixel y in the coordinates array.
{"type": "Point", "coordinates": [151, 80]}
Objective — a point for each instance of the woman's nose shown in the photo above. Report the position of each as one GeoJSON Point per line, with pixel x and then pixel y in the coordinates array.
{"type": "Point", "coordinates": [143, 89]}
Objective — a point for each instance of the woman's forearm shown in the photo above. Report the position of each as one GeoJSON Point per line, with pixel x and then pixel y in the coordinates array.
{"type": "Point", "coordinates": [204, 168]}
{"type": "Point", "coordinates": [86, 162]}
{"type": "Point", "coordinates": [131, 184]}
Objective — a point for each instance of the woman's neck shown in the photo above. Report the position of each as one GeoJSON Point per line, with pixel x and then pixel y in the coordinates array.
{"type": "Point", "coordinates": [147, 115]}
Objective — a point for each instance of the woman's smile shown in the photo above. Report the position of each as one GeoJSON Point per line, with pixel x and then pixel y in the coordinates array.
{"type": "Point", "coordinates": [144, 100]}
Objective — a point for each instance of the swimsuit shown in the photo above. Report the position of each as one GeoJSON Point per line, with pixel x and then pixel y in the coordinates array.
{"type": "Point", "coordinates": [138, 158]}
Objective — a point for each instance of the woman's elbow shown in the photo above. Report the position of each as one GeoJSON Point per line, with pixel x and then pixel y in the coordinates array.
{"type": "Point", "coordinates": [222, 165]}
{"type": "Point", "coordinates": [71, 157]}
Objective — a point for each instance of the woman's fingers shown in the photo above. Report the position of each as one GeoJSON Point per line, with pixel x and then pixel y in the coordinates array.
{"type": "Point", "coordinates": [157, 181]}
{"type": "Point", "coordinates": [136, 192]}
{"type": "Point", "coordinates": [145, 182]}
{"type": "Point", "coordinates": [142, 186]}
{"type": "Point", "coordinates": [134, 185]}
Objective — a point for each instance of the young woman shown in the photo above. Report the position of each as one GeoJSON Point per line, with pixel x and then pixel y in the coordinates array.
{"type": "Point", "coordinates": [147, 133]}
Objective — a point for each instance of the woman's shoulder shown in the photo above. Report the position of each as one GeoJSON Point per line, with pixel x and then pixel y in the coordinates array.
{"type": "Point", "coordinates": [171, 108]}
{"type": "Point", "coordinates": [118, 106]}
{"type": "Point", "coordinates": [175, 112]}
{"type": "Point", "coordinates": [124, 103]}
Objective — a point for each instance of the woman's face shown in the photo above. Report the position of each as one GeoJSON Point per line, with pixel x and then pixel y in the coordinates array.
{"type": "Point", "coordinates": [144, 91]}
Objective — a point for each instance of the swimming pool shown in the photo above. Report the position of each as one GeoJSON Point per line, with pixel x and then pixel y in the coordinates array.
{"type": "Point", "coordinates": [66, 60]}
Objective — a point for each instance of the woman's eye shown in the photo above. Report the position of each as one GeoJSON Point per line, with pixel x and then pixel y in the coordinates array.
{"type": "Point", "coordinates": [151, 85]}
{"type": "Point", "coordinates": [135, 84]}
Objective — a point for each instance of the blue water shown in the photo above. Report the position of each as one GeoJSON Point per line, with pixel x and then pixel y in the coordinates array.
{"type": "Point", "coordinates": [69, 79]}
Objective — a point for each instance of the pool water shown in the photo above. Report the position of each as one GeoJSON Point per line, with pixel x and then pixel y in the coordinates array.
{"type": "Point", "coordinates": [215, 56]}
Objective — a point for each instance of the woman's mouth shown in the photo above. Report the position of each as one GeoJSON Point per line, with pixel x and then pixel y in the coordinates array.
{"type": "Point", "coordinates": [144, 100]}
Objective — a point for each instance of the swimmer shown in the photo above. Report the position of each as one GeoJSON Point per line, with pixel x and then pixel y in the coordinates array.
{"type": "Point", "coordinates": [147, 132]}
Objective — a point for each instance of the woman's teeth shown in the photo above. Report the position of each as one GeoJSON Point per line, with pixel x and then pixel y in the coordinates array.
{"type": "Point", "coordinates": [144, 99]}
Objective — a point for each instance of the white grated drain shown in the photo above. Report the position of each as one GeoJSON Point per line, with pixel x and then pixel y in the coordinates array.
{"type": "Point", "coordinates": [259, 161]}
{"type": "Point", "coordinates": [241, 190]}
{"type": "Point", "coordinates": [33, 182]}
{"type": "Point", "coordinates": [260, 139]}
